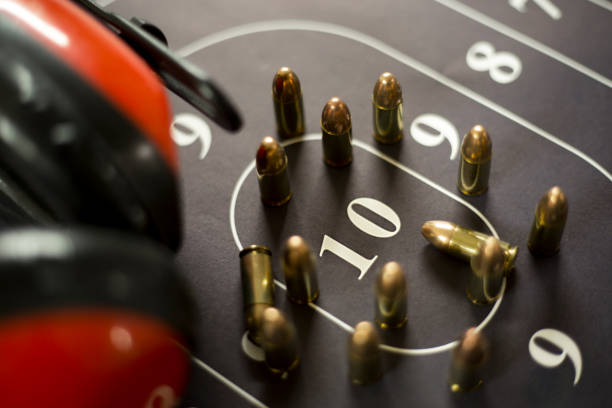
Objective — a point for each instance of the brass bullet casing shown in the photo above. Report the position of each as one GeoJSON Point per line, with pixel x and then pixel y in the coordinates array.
{"type": "Point", "coordinates": [388, 109]}
{"type": "Point", "coordinates": [468, 360]}
{"type": "Point", "coordinates": [462, 242]}
{"type": "Point", "coordinates": [257, 287]}
{"type": "Point", "coordinates": [487, 272]}
{"type": "Point", "coordinates": [390, 292]}
{"type": "Point", "coordinates": [272, 172]}
{"type": "Point", "coordinates": [288, 105]}
{"type": "Point", "coordinates": [548, 224]}
{"type": "Point", "coordinates": [475, 162]}
{"type": "Point", "coordinates": [337, 130]}
{"type": "Point", "coordinates": [279, 342]}
{"type": "Point", "coordinates": [364, 355]}
{"type": "Point", "coordinates": [300, 271]}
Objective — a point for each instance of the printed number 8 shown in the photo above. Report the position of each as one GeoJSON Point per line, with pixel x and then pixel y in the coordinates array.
{"type": "Point", "coordinates": [482, 57]}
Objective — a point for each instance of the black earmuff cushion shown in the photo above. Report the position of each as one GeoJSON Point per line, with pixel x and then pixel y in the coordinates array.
{"type": "Point", "coordinates": [73, 151]}
{"type": "Point", "coordinates": [51, 269]}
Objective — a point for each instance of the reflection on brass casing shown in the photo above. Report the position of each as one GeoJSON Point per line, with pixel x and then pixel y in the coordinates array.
{"type": "Point", "coordinates": [257, 287]}
{"type": "Point", "coordinates": [336, 127]}
{"type": "Point", "coordinates": [364, 355]}
{"type": "Point", "coordinates": [467, 361]}
{"type": "Point", "coordinates": [475, 164]}
{"type": "Point", "coordinates": [390, 292]}
{"type": "Point", "coordinates": [300, 271]}
{"type": "Point", "coordinates": [279, 342]}
{"type": "Point", "coordinates": [487, 272]}
{"type": "Point", "coordinates": [272, 172]}
{"type": "Point", "coordinates": [288, 105]}
{"type": "Point", "coordinates": [387, 109]}
{"type": "Point", "coordinates": [462, 242]}
{"type": "Point", "coordinates": [548, 223]}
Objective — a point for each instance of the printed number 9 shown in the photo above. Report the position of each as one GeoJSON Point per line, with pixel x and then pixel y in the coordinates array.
{"type": "Point", "coordinates": [442, 129]}
{"type": "Point", "coordinates": [482, 57]}
{"type": "Point", "coordinates": [187, 128]}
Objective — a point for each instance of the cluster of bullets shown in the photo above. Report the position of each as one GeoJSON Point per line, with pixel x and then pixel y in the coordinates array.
{"type": "Point", "coordinates": [490, 258]}
{"type": "Point", "coordinates": [336, 129]}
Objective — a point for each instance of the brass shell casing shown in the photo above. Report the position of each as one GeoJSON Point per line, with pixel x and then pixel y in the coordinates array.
{"type": "Point", "coordinates": [364, 355]}
{"type": "Point", "coordinates": [467, 361]}
{"type": "Point", "coordinates": [279, 342]}
{"type": "Point", "coordinates": [300, 271]}
{"type": "Point", "coordinates": [388, 112]}
{"type": "Point", "coordinates": [288, 105]}
{"type": "Point", "coordinates": [548, 223]}
{"type": "Point", "coordinates": [257, 287]}
{"type": "Point", "coordinates": [487, 272]}
{"type": "Point", "coordinates": [337, 131]}
{"type": "Point", "coordinates": [462, 242]}
{"type": "Point", "coordinates": [475, 164]}
{"type": "Point", "coordinates": [390, 291]}
{"type": "Point", "coordinates": [272, 172]}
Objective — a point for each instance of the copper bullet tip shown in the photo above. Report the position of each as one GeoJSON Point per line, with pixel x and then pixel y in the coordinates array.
{"type": "Point", "coordinates": [438, 233]}
{"type": "Point", "coordinates": [489, 259]}
{"type": "Point", "coordinates": [476, 146]}
{"type": "Point", "coordinates": [336, 117]}
{"type": "Point", "coordinates": [276, 329]}
{"type": "Point", "coordinates": [271, 157]}
{"type": "Point", "coordinates": [286, 85]}
{"type": "Point", "coordinates": [391, 282]}
{"type": "Point", "coordinates": [473, 349]}
{"type": "Point", "coordinates": [297, 253]}
{"type": "Point", "coordinates": [387, 92]}
{"type": "Point", "coordinates": [553, 207]}
{"type": "Point", "coordinates": [365, 339]}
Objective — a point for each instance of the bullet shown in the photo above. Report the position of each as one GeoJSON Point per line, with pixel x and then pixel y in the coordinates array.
{"type": "Point", "coordinates": [279, 342]}
{"type": "Point", "coordinates": [390, 291]}
{"type": "Point", "coordinates": [288, 105]}
{"type": "Point", "coordinates": [364, 354]}
{"type": "Point", "coordinates": [475, 162]}
{"type": "Point", "coordinates": [388, 110]}
{"type": "Point", "coordinates": [272, 172]}
{"type": "Point", "coordinates": [257, 287]}
{"type": "Point", "coordinates": [462, 242]}
{"type": "Point", "coordinates": [300, 271]}
{"type": "Point", "coordinates": [337, 131]}
{"type": "Point", "coordinates": [548, 223]}
{"type": "Point", "coordinates": [487, 272]}
{"type": "Point", "coordinates": [467, 361]}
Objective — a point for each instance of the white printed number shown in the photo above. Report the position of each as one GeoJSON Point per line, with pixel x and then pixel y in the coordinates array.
{"type": "Point", "coordinates": [187, 128]}
{"type": "Point", "coordinates": [503, 67]}
{"type": "Point", "coordinates": [421, 127]}
{"type": "Point", "coordinates": [347, 254]}
{"type": "Point", "coordinates": [568, 348]}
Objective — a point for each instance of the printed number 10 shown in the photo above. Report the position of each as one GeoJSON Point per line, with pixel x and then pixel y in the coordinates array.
{"type": "Point", "coordinates": [365, 225]}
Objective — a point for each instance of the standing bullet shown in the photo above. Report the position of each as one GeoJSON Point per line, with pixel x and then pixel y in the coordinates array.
{"type": "Point", "coordinates": [279, 342]}
{"type": "Point", "coordinates": [272, 173]}
{"type": "Point", "coordinates": [364, 354]}
{"type": "Point", "coordinates": [390, 291]}
{"type": "Point", "coordinates": [336, 128]}
{"type": "Point", "coordinates": [462, 242]}
{"type": "Point", "coordinates": [257, 287]}
{"type": "Point", "coordinates": [475, 162]}
{"type": "Point", "coordinates": [548, 224]}
{"type": "Point", "coordinates": [467, 361]}
{"type": "Point", "coordinates": [300, 272]}
{"type": "Point", "coordinates": [288, 106]}
{"type": "Point", "coordinates": [487, 272]}
{"type": "Point", "coordinates": [388, 110]}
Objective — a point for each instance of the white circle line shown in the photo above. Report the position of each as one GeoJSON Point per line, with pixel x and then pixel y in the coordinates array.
{"type": "Point", "coordinates": [339, 322]}
{"type": "Point", "coordinates": [384, 48]}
